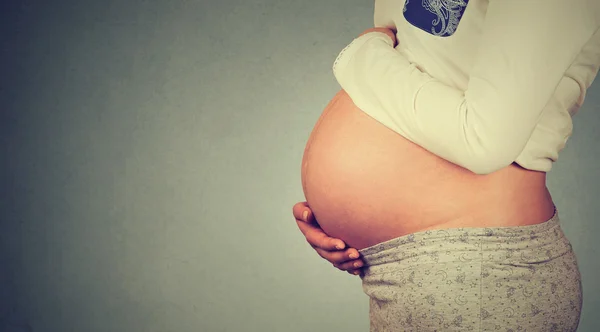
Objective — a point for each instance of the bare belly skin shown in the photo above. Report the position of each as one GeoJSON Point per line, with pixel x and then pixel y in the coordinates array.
{"type": "Point", "coordinates": [367, 184]}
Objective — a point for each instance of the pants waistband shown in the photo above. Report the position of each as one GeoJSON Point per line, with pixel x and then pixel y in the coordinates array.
{"type": "Point", "coordinates": [531, 243]}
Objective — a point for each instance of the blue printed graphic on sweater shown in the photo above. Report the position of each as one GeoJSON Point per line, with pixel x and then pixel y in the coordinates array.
{"type": "Point", "coordinates": [437, 17]}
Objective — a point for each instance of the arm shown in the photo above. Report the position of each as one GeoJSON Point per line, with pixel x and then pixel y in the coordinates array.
{"type": "Point", "coordinates": [526, 48]}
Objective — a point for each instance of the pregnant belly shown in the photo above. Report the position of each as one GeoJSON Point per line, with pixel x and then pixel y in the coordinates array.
{"type": "Point", "coordinates": [366, 184]}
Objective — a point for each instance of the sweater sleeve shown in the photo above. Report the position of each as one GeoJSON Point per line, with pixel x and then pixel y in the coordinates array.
{"type": "Point", "coordinates": [525, 50]}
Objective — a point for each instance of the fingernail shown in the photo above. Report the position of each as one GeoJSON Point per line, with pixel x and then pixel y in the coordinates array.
{"type": "Point", "coordinates": [353, 255]}
{"type": "Point", "coordinates": [305, 215]}
{"type": "Point", "coordinates": [356, 273]}
{"type": "Point", "coordinates": [357, 264]}
{"type": "Point", "coordinates": [339, 246]}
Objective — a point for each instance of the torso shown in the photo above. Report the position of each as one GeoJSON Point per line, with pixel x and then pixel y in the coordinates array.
{"type": "Point", "coordinates": [367, 184]}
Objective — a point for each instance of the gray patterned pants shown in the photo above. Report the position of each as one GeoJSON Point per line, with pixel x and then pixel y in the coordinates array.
{"type": "Point", "coordinates": [504, 279]}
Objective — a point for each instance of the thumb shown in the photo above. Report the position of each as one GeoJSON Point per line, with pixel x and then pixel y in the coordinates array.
{"type": "Point", "coordinates": [302, 212]}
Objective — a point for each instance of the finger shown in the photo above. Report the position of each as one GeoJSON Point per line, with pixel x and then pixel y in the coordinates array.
{"type": "Point", "coordinates": [350, 265]}
{"type": "Point", "coordinates": [337, 257]}
{"type": "Point", "coordinates": [333, 257]}
{"type": "Point", "coordinates": [317, 237]}
{"type": "Point", "coordinates": [388, 31]}
{"type": "Point", "coordinates": [313, 232]}
{"type": "Point", "coordinates": [299, 209]}
{"type": "Point", "coordinates": [353, 272]}
{"type": "Point", "coordinates": [303, 212]}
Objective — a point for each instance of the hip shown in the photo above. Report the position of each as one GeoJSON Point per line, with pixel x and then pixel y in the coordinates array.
{"type": "Point", "coordinates": [523, 277]}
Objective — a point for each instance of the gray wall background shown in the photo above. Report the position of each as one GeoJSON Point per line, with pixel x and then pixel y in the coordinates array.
{"type": "Point", "coordinates": [150, 158]}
